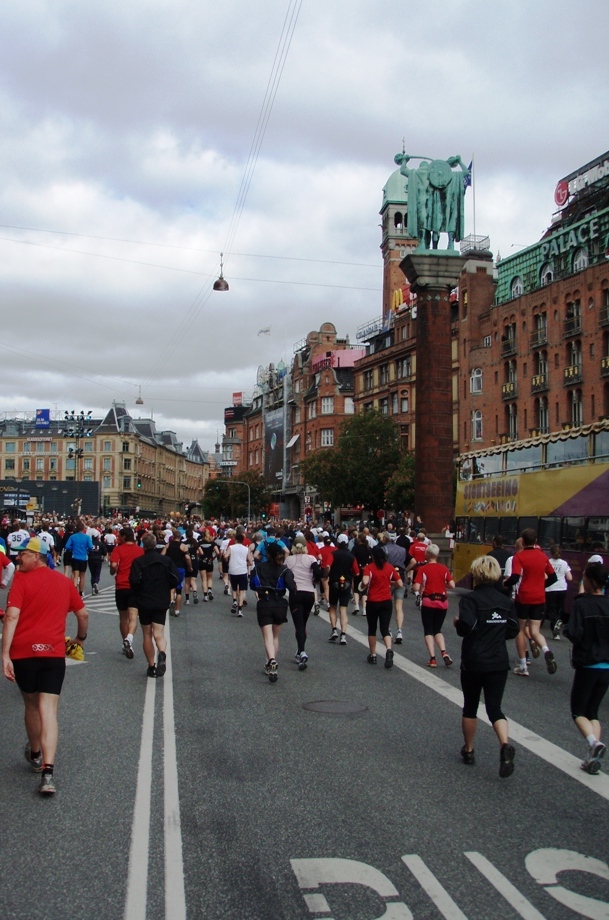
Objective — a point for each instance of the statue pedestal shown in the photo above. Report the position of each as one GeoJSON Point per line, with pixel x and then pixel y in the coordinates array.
{"type": "Point", "coordinates": [432, 276]}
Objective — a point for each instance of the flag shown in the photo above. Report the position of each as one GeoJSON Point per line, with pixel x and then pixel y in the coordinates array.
{"type": "Point", "coordinates": [265, 331]}
{"type": "Point", "coordinates": [467, 180]}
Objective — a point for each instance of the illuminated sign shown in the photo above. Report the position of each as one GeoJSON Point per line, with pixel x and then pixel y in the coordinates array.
{"type": "Point", "coordinates": [570, 239]}
{"type": "Point", "coordinates": [584, 177]}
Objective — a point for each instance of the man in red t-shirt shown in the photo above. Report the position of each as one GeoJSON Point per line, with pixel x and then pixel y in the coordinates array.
{"type": "Point", "coordinates": [326, 553]}
{"type": "Point", "coordinates": [533, 568]}
{"type": "Point", "coordinates": [34, 649]}
{"type": "Point", "coordinates": [120, 566]}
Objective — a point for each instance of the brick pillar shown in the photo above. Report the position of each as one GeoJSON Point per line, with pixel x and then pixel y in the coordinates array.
{"type": "Point", "coordinates": [432, 277]}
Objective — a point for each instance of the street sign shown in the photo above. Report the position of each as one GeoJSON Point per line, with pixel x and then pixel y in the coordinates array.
{"type": "Point", "coordinates": [380, 514]}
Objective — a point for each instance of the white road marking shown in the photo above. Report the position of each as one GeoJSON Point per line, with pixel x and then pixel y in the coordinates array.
{"type": "Point", "coordinates": [137, 879]}
{"type": "Point", "coordinates": [505, 888]}
{"type": "Point", "coordinates": [430, 884]}
{"type": "Point", "coordinates": [175, 896]}
{"type": "Point", "coordinates": [530, 740]}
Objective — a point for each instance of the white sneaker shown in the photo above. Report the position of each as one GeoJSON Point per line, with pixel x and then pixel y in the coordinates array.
{"type": "Point", "coordinates": [522, 672]}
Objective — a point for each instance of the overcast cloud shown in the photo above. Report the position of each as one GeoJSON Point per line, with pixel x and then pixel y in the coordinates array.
{"type": "Point", "coordinates": [126, 131]}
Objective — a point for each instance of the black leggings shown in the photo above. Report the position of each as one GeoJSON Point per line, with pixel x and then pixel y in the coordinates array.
{"type": "Point", "coordinates": [432, 619]}
{"type": "Point", "coordinates": [300, 608]}
{"type": "Point", "coordinates": [555, 606]}
{"type": "Point", "coordinates": [379, 612]}
{"type": "Point", "coordinates": [493, 684]}
{"type": "Point", "coordinates": [589, 688]}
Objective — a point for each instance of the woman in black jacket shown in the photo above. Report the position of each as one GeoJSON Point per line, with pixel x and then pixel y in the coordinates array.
{"type": "Point", "coordinates": [588, 630]}
{"type": "Point", "coordinates": [270, 581]}
{"type": "Point", "coordinates": [486, 621]}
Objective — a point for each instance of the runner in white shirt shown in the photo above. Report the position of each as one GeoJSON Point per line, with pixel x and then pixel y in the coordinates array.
{"type": "Point", "coordinates": [15, 538]}
{"type": "Point", "coordinates": [238, 569]}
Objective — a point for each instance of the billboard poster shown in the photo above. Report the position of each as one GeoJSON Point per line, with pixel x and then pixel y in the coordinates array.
{"type": "Point", "coordinates": [43, 418]}
{"type": "Point", "coordinates": [273, 446]}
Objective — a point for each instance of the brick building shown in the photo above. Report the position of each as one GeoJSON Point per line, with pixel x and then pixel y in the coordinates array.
{"type": "Point", "coordinates": [535, 353]}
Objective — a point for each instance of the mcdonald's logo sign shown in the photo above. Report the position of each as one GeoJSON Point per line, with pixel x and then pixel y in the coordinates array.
{"type": "Point", "coordinates": [400, 297]}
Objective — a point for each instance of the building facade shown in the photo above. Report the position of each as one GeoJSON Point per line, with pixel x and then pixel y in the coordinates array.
{"type": "Point", "coordinates": [134, 465]}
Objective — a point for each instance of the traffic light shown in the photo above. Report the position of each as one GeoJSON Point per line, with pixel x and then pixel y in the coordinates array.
{"type": "Point", "coordinates": [139, 483]}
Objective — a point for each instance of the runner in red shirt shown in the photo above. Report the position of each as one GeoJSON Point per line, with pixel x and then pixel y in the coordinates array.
{"type": "Point", "coordinates": [533, 567]}
{"type": "Point", "coordinates": [326, 553]}
{"type": "Point", "coordinates": [431, 582]}
{"type": "Point", "coordinates": [120, 566]}
{"type": "Point", "coordinates": [379, 575]}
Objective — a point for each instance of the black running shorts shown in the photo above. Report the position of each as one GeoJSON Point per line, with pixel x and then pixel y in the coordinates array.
{"type": "Point", "coordinates": [40, 675]}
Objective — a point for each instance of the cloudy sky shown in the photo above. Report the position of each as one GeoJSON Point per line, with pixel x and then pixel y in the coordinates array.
{"type": "Point", "coordinates": [141, 138]}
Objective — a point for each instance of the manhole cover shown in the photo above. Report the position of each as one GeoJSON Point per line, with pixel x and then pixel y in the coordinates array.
{"type": "Point", "coordinates": [335, 707]}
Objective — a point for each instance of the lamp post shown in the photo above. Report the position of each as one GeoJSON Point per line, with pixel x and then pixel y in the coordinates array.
{"type": "Point", "coordinates": [239, 482]}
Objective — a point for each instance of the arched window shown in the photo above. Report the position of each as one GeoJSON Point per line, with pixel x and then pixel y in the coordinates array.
{"type": "Point", "coordinates": [577, 409]}
{"type": "Point", "coordinates": [543, 420]}
{"type": "Point", "coordinates": [580, 260]}
{"type": "Point", "coordinates": [511, 412]}
{"type": "Point", "coordinates": [477, 425]}
{"type": "Point", "coordinates": [517, 288]}
{"type": "Point", "coordinates": [475, 380]}
{"type": "Point", "coordinates": [546, 275]}
{"type": "Point", "coordinates": [398, 221]}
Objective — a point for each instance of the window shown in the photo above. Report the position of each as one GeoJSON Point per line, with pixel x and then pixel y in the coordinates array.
{"type": "Point", "coordinates": [312, 410]}
{"type": "Point", "coordinates": [349, 405]}
{"type": "Point", "coordinates": [107, 463]}
{"type": "Point", "coordinates": [40, 464]}
{"type": "Point", "coordinates": [88, 478]}
{"type": "Point", "coordinates": [543, 417]}
{"type": "Point", "coordinates": [404, 403]}
{"type": "Point", "coordinates": [580, 260]}
{"type": "Point", "coordinates": [9, 464]}
{"type": "Point", "coordinates": [475, 380]}
{"type": "Point", "coordinates": [394, 404]}
{"type": "Point", "coordinates": [546, 275]}
{"type": "Point", "coordinates": [125, 447]}
{"type": "Point", "coordinates": [26, 447]}
{"type": "Point", "coordinates": [126, 463]}
{"type": "Point", "coordinates": [486, 341]}
{"type": "Point", "coordinates": [327, 405]}
{"type": "Point", "coordinates": [107, 445]}
{"type": "Point", "coordinates": [126, 482]}
{"type": "Point", "coordinates": [53, 447]}
{"type": "Point", "coordinates": [384, 374]}
{"type": "Point", "coordinates": [53, 464]}
{"type": "Point", "coordinates": [477, 425]}
{"type": "Point", "coordinates": [88, 447]}
{"type": "Point", "coordinates": [40, 447]}
{"type": "Point", "coordinates": [10, 447]}
{"type": "Point", "coordinates": [517, 288]}
{"type": "Point", "coordinates": [577, 409]}
{"type": "Point", "coordinates": [88, 463]}
{"type": "Point", "coordinates": [368, 380]}
{"type": "Point", "coordinates": [297, 415]}
{"type": "Point", "coordinates": [403, 368]}
{"type": "Point", "coordinates": [368, 407]}
{"type": "Point", "coordinates": [327, 437]}
{"type": "Point", "coordinates": [106, 482]}
{"type": "Point", "coordinates": [512, 421]}
{"type": "Point", "coordinates": [384, 406]}
{"type": "Point", "coordinates": [26, 463]}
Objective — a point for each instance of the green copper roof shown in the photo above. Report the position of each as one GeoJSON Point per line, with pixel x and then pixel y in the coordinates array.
{"type": "Point", "coordinates": [396, 189]}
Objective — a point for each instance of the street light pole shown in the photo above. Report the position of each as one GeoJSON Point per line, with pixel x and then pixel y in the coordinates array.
{"type": "Point", "coordinates": [239, 482]}
{"type": "Point", "coordinates": [77, 429]}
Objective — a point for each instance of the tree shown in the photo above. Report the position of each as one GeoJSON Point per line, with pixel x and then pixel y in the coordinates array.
{"type": "Point", "coordinates": [399, 493]}
{"type": "Point", "coordinates": [223, 498]}
{"type": "Point", "coordinates": [359, 467]}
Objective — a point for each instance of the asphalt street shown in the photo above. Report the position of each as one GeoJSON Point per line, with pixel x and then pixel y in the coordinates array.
{"type": "Point", "coordinates": [337, 792]}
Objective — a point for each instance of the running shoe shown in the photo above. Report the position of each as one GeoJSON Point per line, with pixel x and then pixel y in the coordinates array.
{"type": "Point", "coordinates": [233, 606]}
{"type": "Point", "coordinates": [528, 658]}
{"type": "Point", "coordinates": [333, 635]}
{"type": "Point", "coordinates": [161, 665]}
{"type": "Point", "coordinates": [522, 672]}
{"type": "Point", "coordinates": [432, 663]}
{"type": "Point", "coordinates": [316, 610]}
{"type": "Point", "coordinates": [535, 650]}
{"type": "Point", "coordinates": [371, 659]}
{"type": "Point", "coordinates": [447, 660]}
{"type": "Point", "coordinates": [398, 637]}
{"type": "Point", "coordinates": [210, 596]}
{"type": "Point", "coordinates": [506, 760]}
{"type": "Point", "coordinates": [556, 629]}
{"type": "Point", "coordinates": [47, 784]}
{"type": "Point", "coordinates": [302, 664]}
{"type": "Point", "coordinates": [127, 648]}
{"type": "Point", "coordinates": [34, 762]}
{"type": "Point", "coordinates": [239, 612]}
{"type": "Point", "coordinates": [187, 601]}
{"type": "Point", "coordinates": [343, 639]}
{"type": "Point", "coordinates": [172, 609]}
{"type": "Point", "coordinates": [195, 597]}
{"type": "Point", "coordinates": [355, 611]}
{"type": "Point", "coordinates": [151, 671]}
{"type": "Point", "coordinates": [389, 658]}
{"type": "Point", "coordinates": [550, 662]}
{"type": "Point", "coordinates": [95, 589]}
{"type": "Point", "coordinates": [270, 669]}
{"type": "Point", "coordinates": [205, 597]}
{"type": "Point", "coordinates": [592, 763]}
{"type": "Point", "coordinates": [467, 757]}
{"type": "Point", "coordinates": [417, 600]}
{"type": "Point", "coordinates": [226, 589]}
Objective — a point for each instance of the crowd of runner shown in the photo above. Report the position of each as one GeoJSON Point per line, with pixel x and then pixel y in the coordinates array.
{"type": "Point", "coordinates": [160, 567]}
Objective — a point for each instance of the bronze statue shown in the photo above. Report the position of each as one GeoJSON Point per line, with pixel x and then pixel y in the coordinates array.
{"type": "Point", "coordinates": [435, 200]}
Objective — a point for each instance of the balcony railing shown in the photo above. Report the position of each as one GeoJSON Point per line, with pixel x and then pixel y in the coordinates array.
{"type": "Point", "coordinates": [539, 383]}
{"type": "Point", "coordinates": [572, 326]}
{"type": "Point", "coordinates": [572, 374]}
{"type": "Point", "coordinates": [605, 366]}
{"type": "Point", "coordinates": [508, 347]}
{"type": "Point", "coordinates": [539, 337]}
{"type": "Point", "coordinates": [509, 390]}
